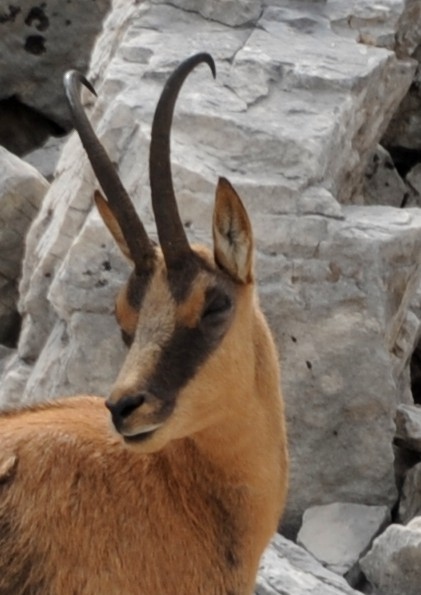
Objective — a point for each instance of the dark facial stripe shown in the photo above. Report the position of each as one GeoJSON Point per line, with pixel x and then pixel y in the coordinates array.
{"type": "Point", "coordinates": [184, 353]}
{"type": "Point", "coordinates": [180, 358]}
{"type": "Point", "coordinates": [137, 286]}
{"type": "Point", "coordinates": [181, 277]}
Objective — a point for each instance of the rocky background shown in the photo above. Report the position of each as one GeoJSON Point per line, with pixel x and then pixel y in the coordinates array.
{"type": "Point", "coordinates": [315, 117]}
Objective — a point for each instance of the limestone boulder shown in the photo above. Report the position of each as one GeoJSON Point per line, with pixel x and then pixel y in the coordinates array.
{"type": "Point", "coordinates": [287, 569]}
{"type": "Point", "coordinates": [45, 158]}
{"type": "Point", "coordinates": [394, 24]}
{"type": "Point", "coordinates": [22, 189]}
{"type": "Point", "coordinates": [227, 12]}
{"type": "Point", "coordinates": [339, 534]}
{"type": "Point", "coordinates": [392, 564]}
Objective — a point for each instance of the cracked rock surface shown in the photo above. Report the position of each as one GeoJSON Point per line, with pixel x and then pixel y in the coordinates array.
{"type": "Point", "coordinates": [392, 564]}
{"type": "Point", "coordinates": [287, 569]}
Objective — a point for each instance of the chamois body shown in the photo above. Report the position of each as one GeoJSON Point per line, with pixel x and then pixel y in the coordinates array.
{"type": "Point", "coordinates": [82, 513]}
{"type": "Point", "coordinates": [180, 489]}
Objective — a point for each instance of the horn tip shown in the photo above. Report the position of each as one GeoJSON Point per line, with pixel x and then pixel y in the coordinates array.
{"type": "Point", "coordinates": [72, 76]}
{"type": "Point", "coordinates": [210, 62]}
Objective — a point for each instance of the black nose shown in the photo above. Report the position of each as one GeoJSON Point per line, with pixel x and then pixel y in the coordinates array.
{"type": "Point", "coordinates": [121, 409]}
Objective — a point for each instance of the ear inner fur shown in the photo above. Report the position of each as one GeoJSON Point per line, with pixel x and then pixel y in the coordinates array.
{"type": "Point", "coordinates": [232, 233]}
{"type": "Point", "coordinates": [112, 224]}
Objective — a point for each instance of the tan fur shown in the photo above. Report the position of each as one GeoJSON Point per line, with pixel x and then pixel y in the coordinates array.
{"type": "Point", "coordinates": [187, 512]}
{"type": "Point", "coordinates": [188, 312]}
{"type": "Point", "coordinates": [125, 314]}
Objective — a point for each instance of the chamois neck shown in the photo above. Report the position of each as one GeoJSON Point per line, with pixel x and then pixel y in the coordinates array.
{"type": "Point", "coordinates": [248, 431]}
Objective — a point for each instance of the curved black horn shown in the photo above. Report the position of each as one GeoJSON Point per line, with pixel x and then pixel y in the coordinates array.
{"type": "Point", "coordinates": [140, 246]}
{"type": "Point", "coordinates": [172, 236]}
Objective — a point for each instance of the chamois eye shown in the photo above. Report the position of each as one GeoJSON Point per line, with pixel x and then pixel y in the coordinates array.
{"type": "Point", "coordinates": [217, 305]}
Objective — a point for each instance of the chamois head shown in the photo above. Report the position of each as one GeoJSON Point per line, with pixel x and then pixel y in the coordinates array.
{"type": "Point", "coordinates": [185, 312]}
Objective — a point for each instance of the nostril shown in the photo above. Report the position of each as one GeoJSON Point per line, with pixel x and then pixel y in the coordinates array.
{"type": "Point", "coordinates": [124, 407]}
{"type": "Point", "coordinates": [132, 403]}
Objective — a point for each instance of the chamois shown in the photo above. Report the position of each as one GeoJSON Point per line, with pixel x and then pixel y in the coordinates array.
{"type": "Point", "coordinates": [174, 484]}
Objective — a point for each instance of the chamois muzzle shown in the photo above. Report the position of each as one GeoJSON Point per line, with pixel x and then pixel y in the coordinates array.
{"type": "Point", "coordinates": [127, 409]}
{"type": "Point", "coordinates": [124, 407]}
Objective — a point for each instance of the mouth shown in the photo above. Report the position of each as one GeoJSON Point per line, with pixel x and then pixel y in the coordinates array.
{"type": "Point", "coordinates": [141, 436]}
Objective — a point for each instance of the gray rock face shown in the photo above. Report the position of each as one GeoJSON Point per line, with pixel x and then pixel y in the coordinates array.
{"type": "Point", "coordinates": [287, 569]}
{"type": "Point", "coordinates": [391, 24]}
{"type": "Point", "coordinates": [339, 534]}
{"type": "Point", "coordinates": [297, 108]}
{"type": "Point", "coordinates": [410, 502]}
{"type": "Point", "coordinates": [227, 12]}
{"type": "Point", "coordinates": [45, 158]}
{"type": "Point", "coordinates": [408, 426]}
{"type": "Point", "coordinates": [392, 565]}
{"type": "Point", "coordinates": [22, 189]}
{"type": "Point", "coordinates": [45, 39]}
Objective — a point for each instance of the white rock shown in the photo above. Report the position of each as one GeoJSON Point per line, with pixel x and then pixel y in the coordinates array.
{"type": "Point", "coordinates": [228, 12]}
{"type": "Point", "coordinates": [391, 23]}
{"type": "Point", "coordinates": [287, 569]}
{"type": "Point", "coordinates": [339, 534]}
{"type": "Point", "coordinates": [45, 158]}
{"type": "Point", "coordinates": [392, 565]}
{"type": "Point", "coordinates": [334, 307]}
{"type": "Point", "coordinates": [408, 426]}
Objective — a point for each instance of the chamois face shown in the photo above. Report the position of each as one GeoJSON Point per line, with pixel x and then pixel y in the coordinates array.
{"type": "Point", "coordinates": [175, 322]}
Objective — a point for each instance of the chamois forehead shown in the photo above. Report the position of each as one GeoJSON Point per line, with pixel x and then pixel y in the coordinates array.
{"type": "Point", "coordinates": [193, 273]}
{"type": "Point", "coordinates": [185, 287]}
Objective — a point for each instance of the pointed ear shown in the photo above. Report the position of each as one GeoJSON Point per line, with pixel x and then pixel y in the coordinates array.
{"type": "Point", "coordinates": [112, 223]}
{"type": "Point", "coordinates": [232, 234]}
